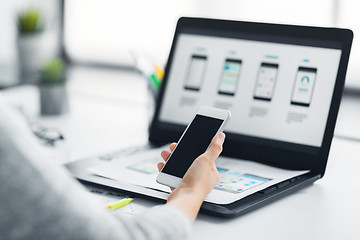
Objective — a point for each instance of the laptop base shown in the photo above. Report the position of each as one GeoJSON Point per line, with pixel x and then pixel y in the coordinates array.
{"type": "Point", "coordinates": [240, 207]}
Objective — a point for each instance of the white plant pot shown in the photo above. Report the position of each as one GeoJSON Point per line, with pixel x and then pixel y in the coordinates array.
{"type": "Point", "coordinates": [53, 99]}
{"type": "Point", "coordinates": [31, 54]}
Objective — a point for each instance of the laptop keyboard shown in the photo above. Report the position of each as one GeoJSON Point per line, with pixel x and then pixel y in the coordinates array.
{"type": "Point", "coordinates": [124, 152]}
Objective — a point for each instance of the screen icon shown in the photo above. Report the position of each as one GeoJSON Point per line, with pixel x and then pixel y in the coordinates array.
{"type": "Point", "coordinates": [230, 77]}
{"type": "Point", "coordinates": [264, 88]}
{"type": "Point", "coordinates": [195, 73]}
{"type": "Point", "coordinates": [303, 86]}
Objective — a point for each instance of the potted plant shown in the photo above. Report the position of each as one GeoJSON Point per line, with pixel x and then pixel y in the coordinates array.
{"type": "Point", "coordinates": [30, 39]}
{"type": "Point", "coordinates": [52, 85]}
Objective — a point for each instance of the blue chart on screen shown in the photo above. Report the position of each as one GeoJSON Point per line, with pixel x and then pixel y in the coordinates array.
{"type": "Point", "coordinates": [305, 80]}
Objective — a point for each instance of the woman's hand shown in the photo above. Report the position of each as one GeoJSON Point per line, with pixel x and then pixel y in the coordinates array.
{"type": "Point", "coordinates": [198, 181]}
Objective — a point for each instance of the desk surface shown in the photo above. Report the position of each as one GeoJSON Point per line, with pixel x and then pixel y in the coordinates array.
{"type": "Point", "coordinates": [110, 110]}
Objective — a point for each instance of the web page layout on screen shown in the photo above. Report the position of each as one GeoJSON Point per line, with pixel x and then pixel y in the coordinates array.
{"type": "Point", "coordinates": [274, 90]}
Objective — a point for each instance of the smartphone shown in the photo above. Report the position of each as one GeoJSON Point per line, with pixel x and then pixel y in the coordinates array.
{"type": "Point", "coordinates": [230, 77]}
{"type": "Point", "coordinates": [265, 83]}
{"type": "Point", "coordinates": [195, 73]}
{"type": "Point", "coordinates": [303, 86]}
{"type": "Point", "coordinates": [195, 140]}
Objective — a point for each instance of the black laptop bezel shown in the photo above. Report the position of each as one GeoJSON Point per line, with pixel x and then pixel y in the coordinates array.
{"type": "Point", "coordinates": [271, 152]}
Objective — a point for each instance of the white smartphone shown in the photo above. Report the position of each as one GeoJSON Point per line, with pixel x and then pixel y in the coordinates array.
{"type": "Point", "coordinates": [195, 140]}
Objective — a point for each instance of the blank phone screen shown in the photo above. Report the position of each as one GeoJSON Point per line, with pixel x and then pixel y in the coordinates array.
{"type": "Point", "coordinates": [195, 73]}
{"type": "Point", "coordinates": [194, 142]}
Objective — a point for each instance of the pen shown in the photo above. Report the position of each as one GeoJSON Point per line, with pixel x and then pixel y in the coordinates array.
{"type": "Point", "coordinates": [119, 204]}
{"type": "Point", "coordinates": [159, 72]}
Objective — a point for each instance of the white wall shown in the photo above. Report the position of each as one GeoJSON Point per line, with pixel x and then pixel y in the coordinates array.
{"type": "Point", "coordinates": [108, 30]}
{"type": "Point", "coordinates": [116, 27]}
{"type": "Point", "coordinates": [9, 9]}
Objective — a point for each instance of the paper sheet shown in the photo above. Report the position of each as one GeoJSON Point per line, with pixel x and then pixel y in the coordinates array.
{"type": "Point", "coordinates": [243, 178]}
{"type": "Point", "coordinates": [139, 169]}
{"type": "Point", "coordinates": [239, 178]}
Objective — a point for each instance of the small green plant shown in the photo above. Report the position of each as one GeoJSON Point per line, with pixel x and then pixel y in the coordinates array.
{"type": "Point", "coordinates": [30, 21]}
{"type": "Point", "coordinates": [53, 71]}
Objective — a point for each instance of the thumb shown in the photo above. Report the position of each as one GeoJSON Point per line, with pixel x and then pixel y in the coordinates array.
{"type": "Point", "coordinates": [215, 147]}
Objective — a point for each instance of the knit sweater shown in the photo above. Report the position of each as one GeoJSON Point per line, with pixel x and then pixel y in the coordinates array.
{"type": "Point", "coordinates": [40, 200]}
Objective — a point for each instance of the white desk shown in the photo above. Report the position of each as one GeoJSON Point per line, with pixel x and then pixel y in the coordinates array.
{"type": "Point", "coordinates": [110, 110]}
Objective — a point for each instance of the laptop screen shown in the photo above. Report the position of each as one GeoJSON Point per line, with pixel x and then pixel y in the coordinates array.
{"type": "Point", "coordinates": [277, 88]}
{"type": "Point", "coordinates": [282, 84]}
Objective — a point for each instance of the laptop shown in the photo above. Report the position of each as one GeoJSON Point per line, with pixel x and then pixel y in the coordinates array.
{"type": "Point", "coordinates": [283, 86]}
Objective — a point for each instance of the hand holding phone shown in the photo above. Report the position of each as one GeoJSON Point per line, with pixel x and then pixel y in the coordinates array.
{"type": "Point", "coordinates": [194, 141]}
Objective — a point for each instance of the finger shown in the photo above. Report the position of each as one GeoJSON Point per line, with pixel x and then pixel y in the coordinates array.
{"type": "Point", "coordinates": [215, 147]}
{"type": "Point", "coordinates": [165, 155]}
{"type": "Point", "coordinates": [160, 165]}
{"type": "Point", "coordinates": [172, 146]}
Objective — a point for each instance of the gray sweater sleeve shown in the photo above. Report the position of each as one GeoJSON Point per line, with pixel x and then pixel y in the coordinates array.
{"type": "Point", "coordinates": [39, 200]}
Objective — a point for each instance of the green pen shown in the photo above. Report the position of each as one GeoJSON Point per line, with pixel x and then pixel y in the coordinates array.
{"type": "Point", "coordinates": [119, 204]}
{"type": "Point", "coordinates": [155, 82]}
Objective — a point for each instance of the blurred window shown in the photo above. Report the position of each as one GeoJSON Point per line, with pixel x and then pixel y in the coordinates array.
{"type": "Point", "coordinates": [113, 31]}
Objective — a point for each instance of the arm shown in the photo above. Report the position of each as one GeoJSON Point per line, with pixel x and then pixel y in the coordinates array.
{"type": "Point", "coordinates": [199, 180]}
{"type": "Point", "coordinates": [40, 200]}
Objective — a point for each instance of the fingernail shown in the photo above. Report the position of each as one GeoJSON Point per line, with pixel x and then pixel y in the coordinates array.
{"type": "Point", "coordinates": [220, 138]}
